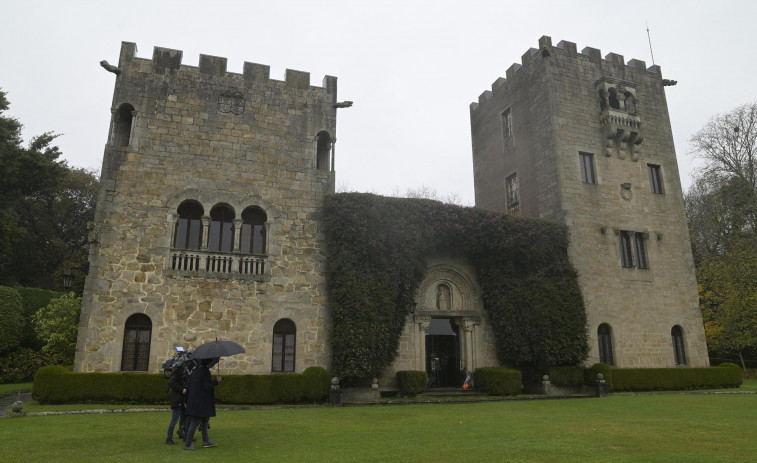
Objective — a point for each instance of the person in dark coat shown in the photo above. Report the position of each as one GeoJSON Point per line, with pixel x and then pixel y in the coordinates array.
{"type": "Point", "coordinates": [201, 402]}
{"type": "Point", "coordinates": [178, 402]}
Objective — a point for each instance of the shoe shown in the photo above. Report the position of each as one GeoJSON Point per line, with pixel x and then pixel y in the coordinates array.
{"type": "Point", "coordinates": [209, 443]}
{"type": "Point", "coordinates": [170, 442]}
{"type": "Point", "coordinates": [190, 447]}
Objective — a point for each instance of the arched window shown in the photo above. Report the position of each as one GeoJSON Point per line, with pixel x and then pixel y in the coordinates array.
{"type": "Point", "coordinates": [604, 338]}
{"type": "Point", "coordinates": [253, 231]}
{"type": "Point", "coordinates": [284, 334]}
{"type": "Point", "coordinates": [323, 151]}
{"type": "Point", "coordinates": [678, 350]}
{"type": "Point", "coordinates": [188, 231]}
{"type": "Point", "coordinates": [221, 233]}
{"type": "Point", "coordinates": [122, 120]}
{"type": "Point", "coordinates": [136, 349]}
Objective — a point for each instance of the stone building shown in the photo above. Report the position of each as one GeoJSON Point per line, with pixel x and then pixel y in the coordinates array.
{"type": "Point", "coordinates": [208, 220]}
{"type": "Point", "coordinates": [587, 141]}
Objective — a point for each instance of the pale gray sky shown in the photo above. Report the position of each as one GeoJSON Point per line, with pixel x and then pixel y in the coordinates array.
{"type": "Point", "coordinates": [411, 67]}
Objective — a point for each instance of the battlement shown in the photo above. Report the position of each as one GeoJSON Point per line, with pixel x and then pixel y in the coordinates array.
{"type": "Point", "coordinates": [168, 61]}
{"type": "Point", "coordinates": [568, 49]}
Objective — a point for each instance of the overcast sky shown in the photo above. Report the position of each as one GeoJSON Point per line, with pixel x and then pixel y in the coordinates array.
{"type": "Point", "coordinates": [412, 68]}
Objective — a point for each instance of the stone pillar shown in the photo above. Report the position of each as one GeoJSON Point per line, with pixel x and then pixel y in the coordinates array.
{"type": "Point", "coordinates": [237, 244]}
{"type": "Point", "coordinates": [423, 321]}
{"type": "Point", "coordinates": [601, 385]}
{"type": "Point", "coordinates": [205, 233]}
{"type": "Point", "coordinates": [333, 151]}
{"type": "Point", "coordinates": [469, 364]}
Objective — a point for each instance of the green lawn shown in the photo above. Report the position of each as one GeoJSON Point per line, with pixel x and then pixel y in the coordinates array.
{"type": "Point", "coordinates": [621, 428]}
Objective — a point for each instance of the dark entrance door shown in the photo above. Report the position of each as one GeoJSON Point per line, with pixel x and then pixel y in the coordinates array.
{"type": "Point", "coordinates": [442, 353]}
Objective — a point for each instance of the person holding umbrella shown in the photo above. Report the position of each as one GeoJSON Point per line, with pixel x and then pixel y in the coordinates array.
{"type": "Point", "coordinates": [201, 403]}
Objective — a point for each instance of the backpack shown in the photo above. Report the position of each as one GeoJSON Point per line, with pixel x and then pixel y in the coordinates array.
{"type": "Point", "coordinates": [183, 362]}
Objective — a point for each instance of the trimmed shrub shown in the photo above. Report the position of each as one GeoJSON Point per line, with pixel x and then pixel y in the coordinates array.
{"type": "Point", "coordinates": [316, 383]}
{"type": "Point", "coordinates": [12, 325]}
{"type": "Point", "coordinates": [56, 384]}
{"type": "Point", "coordinates": [673, 379]}
{"type": "Point", "coordinates": [567, 376]}
{"type": "Point", "coordinates": [499, 381]}
{"type": "Point", "coordinates": [20, 365]}
{"type": "Point", "coordinates": [412, 382]}
{"type": "Point", "coordinates": [590, 374]}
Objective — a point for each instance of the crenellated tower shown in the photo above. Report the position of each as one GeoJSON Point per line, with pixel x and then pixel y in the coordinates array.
{"type": "Point", "coordinates": [207, 222]}
{"type": "Point", "coordinates": [587, 140]}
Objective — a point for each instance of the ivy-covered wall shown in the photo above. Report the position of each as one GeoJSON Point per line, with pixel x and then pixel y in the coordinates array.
{"type": "Point", "coordinates": [376, 253]}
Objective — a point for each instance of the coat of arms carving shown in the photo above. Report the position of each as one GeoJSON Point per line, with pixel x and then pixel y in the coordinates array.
{"type": "Point", "coordinates": [231, 102]}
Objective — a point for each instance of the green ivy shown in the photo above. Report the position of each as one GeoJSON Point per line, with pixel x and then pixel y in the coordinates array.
{"type": "Point", "coordinates": [377, 249]}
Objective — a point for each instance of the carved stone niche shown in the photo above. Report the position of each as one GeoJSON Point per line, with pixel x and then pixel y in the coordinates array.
{"type": "Point", "coordinates": [444, 291]}
{"type": "Point", "coordinates": [619, 118]}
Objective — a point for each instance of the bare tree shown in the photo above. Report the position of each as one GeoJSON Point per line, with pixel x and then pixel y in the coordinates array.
{"type": "Point", "coordinates": [728, 146]}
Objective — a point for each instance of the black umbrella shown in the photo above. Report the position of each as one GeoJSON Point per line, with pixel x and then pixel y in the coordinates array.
{"type": "Point", "coordinates": [217, 349]}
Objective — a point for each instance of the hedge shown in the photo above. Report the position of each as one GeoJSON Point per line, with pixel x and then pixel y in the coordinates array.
{"type": "Point", "coordinates": [12, 319]}
{"type": "Point", "coordinates": [55, 384]}
{"type": "Point", "coordinates": [499, 381]}
{"type": "Point", "coordinates": [412, 382]}
{"type": "Point", "coordinates": [674, 379]}
{"type": "Point", "coordinates": [567, 376]}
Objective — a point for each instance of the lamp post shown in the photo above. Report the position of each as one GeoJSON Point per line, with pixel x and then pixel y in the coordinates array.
{"type": "Point", "coordinates": [68, 275]}
{"type": "Point", "coordinates": [68, 279]}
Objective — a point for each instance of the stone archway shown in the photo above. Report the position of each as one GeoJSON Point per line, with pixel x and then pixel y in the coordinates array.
{"type": "Point", "coordinates": [448, 292]}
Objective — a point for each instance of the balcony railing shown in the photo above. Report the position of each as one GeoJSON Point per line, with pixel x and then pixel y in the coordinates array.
{"type": "Point", "coordinates": [204, 262]}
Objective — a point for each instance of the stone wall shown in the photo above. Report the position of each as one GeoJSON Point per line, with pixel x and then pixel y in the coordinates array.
{"type": "Point", "coordinates": [216, 138]}
{"type": "Point", "coordinates": [554, 99]}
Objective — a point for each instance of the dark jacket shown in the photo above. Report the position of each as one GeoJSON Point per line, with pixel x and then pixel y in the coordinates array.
{"type": "Point", "coordinates": [176, 384]}
{"type": "Point", "coordinates": [200, 397]}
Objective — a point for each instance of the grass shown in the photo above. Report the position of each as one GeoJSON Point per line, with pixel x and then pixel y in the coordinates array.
{"type": "Point", "coordinates": [620, 428]}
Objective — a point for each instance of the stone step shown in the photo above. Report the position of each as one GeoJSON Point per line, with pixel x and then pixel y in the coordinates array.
{"type": "Point", "coordinates": [452, 392]}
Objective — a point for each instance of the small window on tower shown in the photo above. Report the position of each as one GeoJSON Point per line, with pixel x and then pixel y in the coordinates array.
{"type": "Point", "coordinates": [507, 123]}
{"type": "Point", "coordinates": [586, 161]}
{"type": "Point", "coordinates": [655, 179]}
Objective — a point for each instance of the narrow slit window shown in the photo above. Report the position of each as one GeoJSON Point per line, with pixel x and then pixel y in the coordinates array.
{"type": "Point", "coordinates": [586, 161]}
{"type": "Point", "coordinates": [655, 179]}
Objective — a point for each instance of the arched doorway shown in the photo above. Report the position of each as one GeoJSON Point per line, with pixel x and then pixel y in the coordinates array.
{"type": "Point", "coordinates": [443, 353]}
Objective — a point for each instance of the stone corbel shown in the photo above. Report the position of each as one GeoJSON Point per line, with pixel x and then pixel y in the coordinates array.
{"type": "Point", "coordinates": [424, 321]}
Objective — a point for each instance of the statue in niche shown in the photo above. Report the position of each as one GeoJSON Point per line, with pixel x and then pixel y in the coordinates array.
{"type": "Point", "coordinates": [630, 103]}
{"type": "Point", "coordinates": [443, 301]}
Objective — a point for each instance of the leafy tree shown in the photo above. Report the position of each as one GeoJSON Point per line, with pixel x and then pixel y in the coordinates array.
{"type": "Point", "coordinates": [55, 225]}
{"type": "Point", "coordinates": [57, 326]}
{"type": "Point", "coordinates": [44, 208]}
{"type": "Point", "coordinates": [731, 280]}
